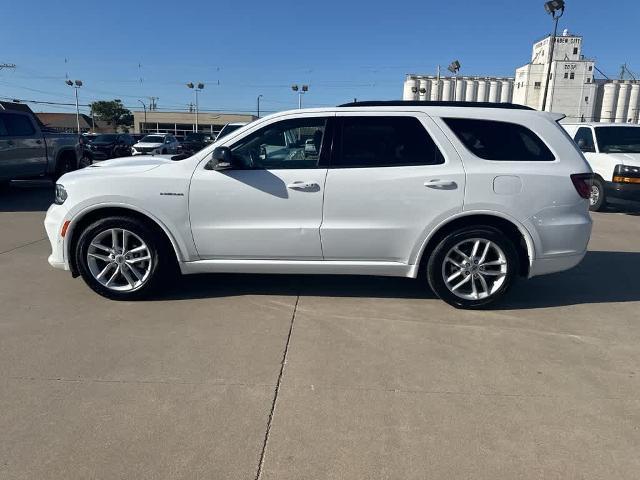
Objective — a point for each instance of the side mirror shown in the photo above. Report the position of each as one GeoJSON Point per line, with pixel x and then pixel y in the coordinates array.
{"type": "Point", "coordinates": [222, 159]}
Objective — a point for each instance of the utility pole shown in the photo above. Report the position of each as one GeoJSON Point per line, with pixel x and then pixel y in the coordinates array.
{"type": "Point", "coordinates": [301, 91]}
{"type": "Point", "coordinates": [145, 114]}
{"type": "Point", "coordinates": [555, 8]}
{"type": "Point", "coordinates": [258, 99]}
{"type": "Point", "coordinates": [152, 103]}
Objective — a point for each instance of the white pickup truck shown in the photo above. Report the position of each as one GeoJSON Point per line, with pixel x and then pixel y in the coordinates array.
{"type": "Point", "coordinates": [27, 150]}
{"type": "Point", "coordinates": [613, 152]}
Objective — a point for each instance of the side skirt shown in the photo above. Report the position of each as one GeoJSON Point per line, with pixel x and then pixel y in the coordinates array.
{"type": "Point", "coordinates": [313, 267]}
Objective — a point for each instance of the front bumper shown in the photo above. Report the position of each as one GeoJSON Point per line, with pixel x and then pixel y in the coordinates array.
{"type": "Point", "coordinates": [623, 191]}
{"type": "Point", "coordinates": [53, 223]}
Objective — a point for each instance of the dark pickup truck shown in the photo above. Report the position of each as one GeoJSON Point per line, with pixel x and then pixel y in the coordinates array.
{"type": "Point", "coordinates": [28, 150]}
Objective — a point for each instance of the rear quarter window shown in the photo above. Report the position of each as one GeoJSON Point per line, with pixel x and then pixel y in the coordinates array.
{"type": "Point", "coordinates": [501, 141]}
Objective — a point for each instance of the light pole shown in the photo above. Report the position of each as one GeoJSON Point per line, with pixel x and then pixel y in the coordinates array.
{"type": "Point", "coordinates": [258, 100]}
{"type": "Point", "coordinates": [144, 106]}
{"type": "Point", "coordinates": [301, 90]}
{"type": "Point", "coordinates": [454, 68]}
{"type": "Point", "coordinates": [196, 88]}
{"type": "Point", "coordinates": [76, 85]}
{"type": "Point", "coordinates": [555, 8]}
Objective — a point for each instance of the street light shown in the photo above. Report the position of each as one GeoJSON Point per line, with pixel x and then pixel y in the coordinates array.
{"type": "Point", "coordinates": [196, 88]}
{"type": "Point", "coordinates": [555, 8]}
{"type": "Point", "coordinates": [144, 106]}
{"type": "Point", "coordinates": [258, 99]}
{"type": "Point", "coordinates": [76, 84]}
{"type": "Point", "coordinates": [301, 91]}
{"type": "Point", "coordinates": [454, 68]}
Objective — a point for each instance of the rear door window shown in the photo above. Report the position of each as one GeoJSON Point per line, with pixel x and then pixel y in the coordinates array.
{"type": "Point", "coordinates": [17, 125]}
{"type": "Point", "coordinates": [379, 141]}
{"type": "Point", "coordinates": [502, 141]}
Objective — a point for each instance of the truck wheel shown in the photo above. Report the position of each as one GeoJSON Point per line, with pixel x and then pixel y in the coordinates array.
{"type": "Point", "coordinates": [597, 199]}
{"type": "Point", "coordinates": [472, 267]}
{"type": "Point", "coordinates": [66, 163]}
{"type": "Point", "coordinates": [85, 161]}
{"type": "Point", "coordinates": [122, 258]}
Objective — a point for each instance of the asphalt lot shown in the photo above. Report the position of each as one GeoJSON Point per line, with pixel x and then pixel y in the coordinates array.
{"type": "Point", "coordinates": [380, 379]}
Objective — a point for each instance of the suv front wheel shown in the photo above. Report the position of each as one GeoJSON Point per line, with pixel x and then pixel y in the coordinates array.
{"type": "Point", "coordinates": [122, 258]}
{"type": "Point", "coordinates": [472, 267]}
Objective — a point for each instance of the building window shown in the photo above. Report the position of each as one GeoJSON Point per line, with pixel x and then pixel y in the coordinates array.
{"type": "Point", "coordinates": [536, 85]}
{"type": "Point", "coordinates": [575, 50]}
{"type": "Point", "coordinates": [586, 99]}
{"type": "Point", "coordinates": [588, 79]}
{"type": "Point", "coordinates": [590, 67]}
{"type": "Point", "coordinates": [572, 76]}
{"type": "Point", "coordinates": [566, 74]}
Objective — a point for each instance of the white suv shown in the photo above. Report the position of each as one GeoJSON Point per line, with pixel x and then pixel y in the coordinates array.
{"type": "Point", "coordinates": [464, 197]}
{"type": "Point", "coordinates": [156, 144]}
{"type": "Point", "coordinates": [613, 151]}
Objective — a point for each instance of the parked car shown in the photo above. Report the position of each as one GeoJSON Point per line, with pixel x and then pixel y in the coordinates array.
{"type": "Point", "coordinates": [194, 142]}
{"type": "Point", "coordinates": [613, 151]}
{"type": "Point", "coordinates": [230, 127]}
{"type": "Point", "coordinates": [138, 136]}
{"type": "Point", "coordinates": [27, 150]}
{"type": "Point", "coordinates": [110, 145]}
{"type": "Point", "coordinates": [463, 196]}
{"type": "Point", "coordinates": [156, 143]}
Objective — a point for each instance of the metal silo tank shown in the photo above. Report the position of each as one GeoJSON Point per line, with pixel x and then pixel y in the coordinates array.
{"type": "Point", "coordinates": [471, 91]}
{"type": "Point", "coordinates": [459, 90]}
{"type": "Point", "coordinates": [634, 102]}
{"type": "Point", "coordinates": [608, 110]}
{"type": "Point", "coordinates": [409, 85]}
{"type": "Point", "coordinates": [494, 91]}
{"type": "Point", "coordinates": [482, 91]}
{"type": "Point", "coordinates": [424, 89]}
{"type": "Point", "coordinates": [623, 103]}
{"type": "Point", "coordinates": [435, 89]}
{"type": "Point", "coordinates": [506, 92]}
{"type": "Point", "coordinates": [447, 89]}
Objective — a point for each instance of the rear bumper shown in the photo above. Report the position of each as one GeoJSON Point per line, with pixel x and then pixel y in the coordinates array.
{"type": "Point", "coordinates": [623, 191]}
{"type": "Point", "coordinates": [553, 264]}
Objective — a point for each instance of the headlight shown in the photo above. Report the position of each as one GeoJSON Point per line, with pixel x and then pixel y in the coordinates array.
{"type": "Point", "coordinates": [61, 195]}
{"type": "Point", "coordinates": [626, 174]}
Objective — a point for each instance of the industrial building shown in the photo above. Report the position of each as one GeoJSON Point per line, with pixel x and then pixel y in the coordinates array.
{"type": "Point", "coordinates": [573, 89]}
{"type": "Point", "coordinates": [469, 89]}
{"type": "Point", "coordinates": [181, 123]}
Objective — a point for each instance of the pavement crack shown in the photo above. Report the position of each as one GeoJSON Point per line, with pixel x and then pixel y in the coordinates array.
{"type": "Point", "coordinates": [22, 246]}
{"type": "Point", "coordinates": [285, 354]}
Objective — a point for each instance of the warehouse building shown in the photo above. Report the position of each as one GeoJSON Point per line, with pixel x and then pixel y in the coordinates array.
{"type": "Point", "coordinates": [181, 123]}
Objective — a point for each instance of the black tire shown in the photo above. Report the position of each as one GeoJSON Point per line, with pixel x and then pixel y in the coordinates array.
{"type": "Point", "coordinates": [162, 259]}
{"type": "Point", "coordinates": [66, 163]}
{"type": "Point", "coordinates": [85, 161]}
{"type": "Point", "coordinates": [437, 265]}
{"type": "Point", "coordinates": [598, 199]}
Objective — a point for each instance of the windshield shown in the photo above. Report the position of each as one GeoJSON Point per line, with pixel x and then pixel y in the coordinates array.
{"type": "Point", "coordinates": [618, 139]}
{"type": "Point", "coordinates": [227, 129]}
{"type": "Point", "coordinates": [153, 139]}
{"type": "Point", "coordinates": [106, 138]}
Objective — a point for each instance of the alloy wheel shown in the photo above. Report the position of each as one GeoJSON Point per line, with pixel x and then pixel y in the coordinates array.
{"type": "Point", "coordinates": [474, 269]}
{"type": "Point", "coordinates": [119, 259]}
{"type": "Point", "coordinates": [594, 197]}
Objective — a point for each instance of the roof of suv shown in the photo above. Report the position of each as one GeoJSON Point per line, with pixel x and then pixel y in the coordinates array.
{"type": "Point", "coordinates": [600, 124]}
{"type": "Point", "coordinates": [417, 103]}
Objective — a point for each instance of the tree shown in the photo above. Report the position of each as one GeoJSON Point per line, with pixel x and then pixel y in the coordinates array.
{"type": "Point", "coordinates": [112, 112]}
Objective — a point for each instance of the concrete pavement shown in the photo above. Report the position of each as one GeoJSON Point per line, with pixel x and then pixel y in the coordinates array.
{"type": "Point", "coordinates": [379, 379]}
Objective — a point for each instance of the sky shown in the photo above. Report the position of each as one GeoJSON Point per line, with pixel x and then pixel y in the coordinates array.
{"type": "Point", "coordinates": [343, 50]}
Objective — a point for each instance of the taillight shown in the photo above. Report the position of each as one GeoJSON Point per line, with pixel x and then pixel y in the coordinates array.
{"type": "Point", "coordinates": [582, 182]}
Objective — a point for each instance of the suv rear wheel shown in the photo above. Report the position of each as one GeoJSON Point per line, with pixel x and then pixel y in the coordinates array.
{"type": "Point", "coordinates": [122, 258]}
{"type": "Point", "coordinates": [472, 267]}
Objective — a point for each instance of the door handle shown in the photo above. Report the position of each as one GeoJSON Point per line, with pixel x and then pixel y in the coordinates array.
{"type": "Point", "coordinates": [441, 184]}
{"type": "Point", "coordinates": [303, 186]}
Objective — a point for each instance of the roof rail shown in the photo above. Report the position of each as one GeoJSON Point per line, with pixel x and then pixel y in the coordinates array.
{"type": "Point", "coordinates": [419, 103]}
